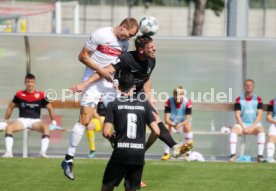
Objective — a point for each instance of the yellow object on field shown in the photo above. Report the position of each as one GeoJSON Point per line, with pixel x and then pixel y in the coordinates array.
{"type": "Point", "coordinates": [97, 124]}
{"type": "Point", "coordinates": [90, 134]}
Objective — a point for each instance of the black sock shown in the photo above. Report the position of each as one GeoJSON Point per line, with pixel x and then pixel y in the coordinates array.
{"type": "Point", "coordinates": [68, 157]}
{"type": "Point", "coordinates": [165, 135]}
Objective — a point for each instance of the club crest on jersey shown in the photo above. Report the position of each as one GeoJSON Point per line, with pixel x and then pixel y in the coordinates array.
{"type": "Point", "coordinates": [22, 105]}
{"type": "Point", "coordinates": [149, 70]}
{"type": "Point", "coordinates": [37, 95]}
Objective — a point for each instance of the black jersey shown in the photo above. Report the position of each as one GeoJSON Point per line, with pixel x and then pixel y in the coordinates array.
{"type": "Point", "coordinates": [30, 104]}
{"type": "Point", "coordinates": [141, 70]}
{"type": "Point", "coordinates": [129, 117]}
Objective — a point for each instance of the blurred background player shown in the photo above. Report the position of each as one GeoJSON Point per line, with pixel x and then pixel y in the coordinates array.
{"type": "Point", "coordinates": [248, 113]}
{"type": "Point", "coordinates": [178, 117]}
{"type": "Point", "coordinates": [102, 48]}
{"type": "Point", "coordinates": [95, 126]}
{"type": "Point", "coordinates": [29, 101]}
{"type": "Point", "coordinates": [271, 118]}
{"type": "Point", "coordinates": [129, 117]}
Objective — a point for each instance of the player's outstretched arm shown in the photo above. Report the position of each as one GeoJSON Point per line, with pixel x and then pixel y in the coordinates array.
{"type": "Point", "coordinates": [92, 79]}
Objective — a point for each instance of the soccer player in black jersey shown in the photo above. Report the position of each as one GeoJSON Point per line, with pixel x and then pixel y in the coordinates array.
{"type": "Point", "coordinates": [141, 63]}
{"type": "Point", "coordinates": [29, 102]}
{"type": "Point", "coordinates": [128, 117]}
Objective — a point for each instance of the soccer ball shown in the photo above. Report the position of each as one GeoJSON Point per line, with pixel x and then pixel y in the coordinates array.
{"type": "Point", "coordinates": [149, 25]}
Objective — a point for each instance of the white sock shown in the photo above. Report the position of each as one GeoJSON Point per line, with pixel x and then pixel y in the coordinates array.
{"type": "Point", "coordinates": [75, 138]}
{"type": "Point", "coordinates": [166, 148]}
{"type": "Point", "coordinates": [270, 150]}
{"type": "Point", "coordinates": [188, 137]}
{"type": "Point", "coordinates": [233, 143]}
{"type": "Point", "coordinates": [9, 144]}
{"type": "Point", "coordinates": [261, 143]}
{"type": "Point", "coordinates": [44, 145]}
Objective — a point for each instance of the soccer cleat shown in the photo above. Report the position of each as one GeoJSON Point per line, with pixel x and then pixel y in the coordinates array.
{"type": "Point", "coordinates": [43, 155]}
{"type": "Point", "coordinates": [182, 148]}
{"type": "Point", "coordinates": [260, 158]}
{"type": "Point", "coordinates": [7, 155]}
{"type": "Point", "coordinates": [166, 156]}
{"type": "Point", "coordinates": [91, 155]}
{"type": "Point", "coordinates": [68, 169]}
{"type": "Point", "coordinates": [233, 158]}
{"type": "Point", "coordinates": [142, 184]}
{"type": "Point", "coordinates": [270, 160]}
{"type": "Point", "coordinates": [55, 127]}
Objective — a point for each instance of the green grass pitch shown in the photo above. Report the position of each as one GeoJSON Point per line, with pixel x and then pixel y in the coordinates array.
{"type": "Point", "coordinates": [35, 174]}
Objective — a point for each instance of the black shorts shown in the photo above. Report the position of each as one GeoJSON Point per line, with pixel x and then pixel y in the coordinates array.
{"type": "Point", "coordinates": [115, 172]}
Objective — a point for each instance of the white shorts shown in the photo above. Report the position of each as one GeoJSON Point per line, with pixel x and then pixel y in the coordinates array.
{"type": "Point", "coordinates": [28, 122]}
{"type": "Point", "coordinates": [246, 125]}
{"type": "Point", "coordinates": [272, 130]}
{"type": "Point", "coordinates": [91, 96]}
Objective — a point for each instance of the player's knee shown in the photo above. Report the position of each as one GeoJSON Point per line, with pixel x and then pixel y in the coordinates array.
{"type": "Point", "coordinates": [187, 128]}
{"type": "Point", "coordinates": [85, 118]}
{"type": "Point", "coordinates": [10, 129]}
{"type": "Point", "coordinates": [260, 129]}
{"type": "Point", "coordinates": [235, 129]}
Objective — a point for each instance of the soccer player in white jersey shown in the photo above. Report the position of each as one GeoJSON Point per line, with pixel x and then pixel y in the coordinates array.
{"type": "Point", "coordinates": [102, 48]}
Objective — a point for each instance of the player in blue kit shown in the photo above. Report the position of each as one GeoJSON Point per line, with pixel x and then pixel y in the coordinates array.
{"type": "Point", "coordinates": [178, 117]}
{"type": "Point", "coordinates": [248, 113]}
{"type": "Point", "coordinates": [271, 118]}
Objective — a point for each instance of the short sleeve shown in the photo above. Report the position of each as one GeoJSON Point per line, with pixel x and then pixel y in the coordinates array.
{"type": "Point", "coordinates": [168, 106]}
{"type": "Point", "coordinates": [16, 100]}
{"type": "Point", "coordinates": [109, 113]}
{"type": "Point", "coordinates": [44, 102]}
{"type": "Point", "coordinates": [92, 42]}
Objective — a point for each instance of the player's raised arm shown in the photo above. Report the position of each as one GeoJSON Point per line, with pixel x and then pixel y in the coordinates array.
{"type": "Point", "coordinates": [92, 79]}
{"type": "Point", "coordinates": [84, 57]}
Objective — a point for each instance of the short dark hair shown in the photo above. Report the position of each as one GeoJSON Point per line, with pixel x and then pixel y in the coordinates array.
{"type": "Point", "coordinates": [126, 81]}
{"type": "Point", "coordinates": [142, 40]}
{"type": "Point", "coordinates": [30, 76]}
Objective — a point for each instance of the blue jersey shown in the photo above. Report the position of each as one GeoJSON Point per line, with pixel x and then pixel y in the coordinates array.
{"type": "Point", "coordinates": [249, 109]}
{"type": "Point", "coordinates": [178, 114]}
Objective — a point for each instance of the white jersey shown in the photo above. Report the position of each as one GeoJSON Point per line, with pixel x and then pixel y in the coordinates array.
{"type": "Point", "coordinates": [106, 48]}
